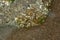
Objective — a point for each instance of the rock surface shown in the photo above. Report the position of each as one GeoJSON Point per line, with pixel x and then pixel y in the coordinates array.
{"type": "Point", "coordinates": [50, 30]}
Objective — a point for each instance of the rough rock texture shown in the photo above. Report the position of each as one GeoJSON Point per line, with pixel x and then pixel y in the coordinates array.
{"type": "Point", "coordinates": [50, 30]}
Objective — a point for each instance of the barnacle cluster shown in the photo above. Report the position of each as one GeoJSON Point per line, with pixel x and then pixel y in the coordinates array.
{"type": "Point", "coordinates": [23, 13]}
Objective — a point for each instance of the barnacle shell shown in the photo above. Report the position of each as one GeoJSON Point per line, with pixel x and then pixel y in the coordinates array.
{"type": "Point", "coordinates": [25, 13]}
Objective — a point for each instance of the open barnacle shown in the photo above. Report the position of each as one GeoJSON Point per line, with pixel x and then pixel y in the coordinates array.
{"type": "Point", "coordinates": [26, 13]}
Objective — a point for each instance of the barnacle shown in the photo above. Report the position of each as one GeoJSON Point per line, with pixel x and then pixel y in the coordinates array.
{"type": "Point", "coordinates": [25, 13]}
{"type": "Point", "coordinates": [6, 2]}
{"type": "Point", "coordinates": [35, 14]}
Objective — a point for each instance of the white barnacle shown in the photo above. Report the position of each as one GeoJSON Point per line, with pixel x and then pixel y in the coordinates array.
{"type": "Point", "coordinates": [16, 18]}
{"type": "Point", "coordinates": [7, 3]}
{"type": "Point", "coordinates": [24, 16]}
